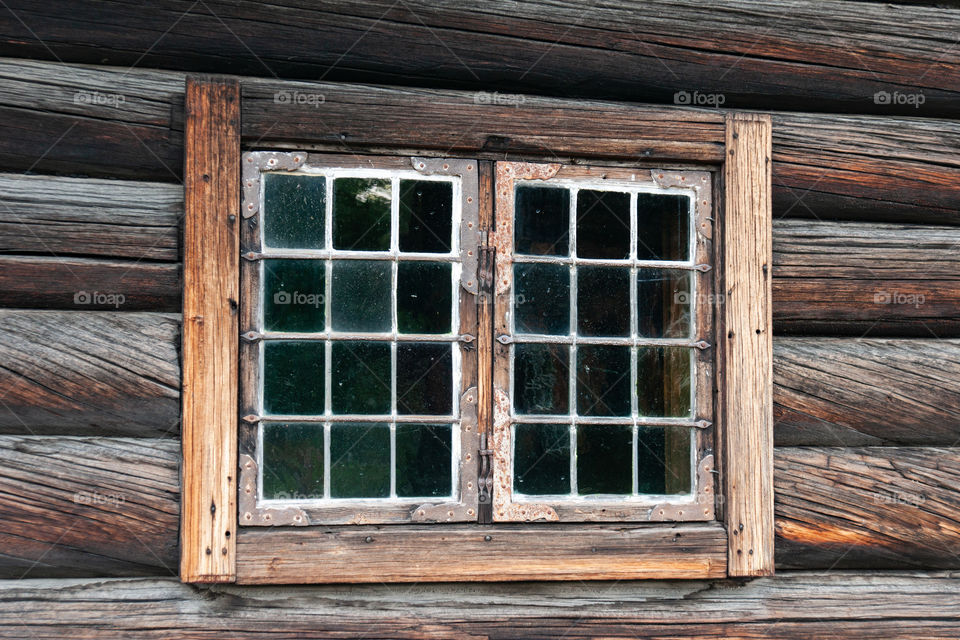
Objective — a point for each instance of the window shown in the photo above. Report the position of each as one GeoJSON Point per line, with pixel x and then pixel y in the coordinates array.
{"type": "Point", "coordinates": [468, 367]}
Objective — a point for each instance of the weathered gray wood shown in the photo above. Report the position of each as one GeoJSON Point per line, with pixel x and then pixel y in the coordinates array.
{"type": "Point", "coordinates": [88, 506]}
{"type": "Point", "coordinates": [872, 507]}
{"type": "Point", "coordinates": [755, 54]}
{"type": "Point", "coordinates": [89, 373]}
{"type": "Point", "coordinates": [846, 392]}
{"type": "Point", "coordinates": [908, 165]}
{"type": "Point", "coordinates": [893, 605]}
{"type": "Point", "coordinates": [88, 217]}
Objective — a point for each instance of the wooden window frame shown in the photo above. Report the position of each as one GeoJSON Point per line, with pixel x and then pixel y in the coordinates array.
{"type": "Point", "coordinates": [736, 146]}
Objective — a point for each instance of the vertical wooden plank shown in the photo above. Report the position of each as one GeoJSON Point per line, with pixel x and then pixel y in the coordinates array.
{"type": "Point", "coordinates": [748, 378]}
{"type": "Point", "coordinates": [210, 331]}
{"type": "Point", "coordinates": [484, 301]}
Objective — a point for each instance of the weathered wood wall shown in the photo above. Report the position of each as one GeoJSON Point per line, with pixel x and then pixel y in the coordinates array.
{"type": "Point", "coordinates": [866, 294]}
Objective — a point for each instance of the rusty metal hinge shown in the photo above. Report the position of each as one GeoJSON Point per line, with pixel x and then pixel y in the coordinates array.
{"type": "Point", "coordinates": [485, 476]}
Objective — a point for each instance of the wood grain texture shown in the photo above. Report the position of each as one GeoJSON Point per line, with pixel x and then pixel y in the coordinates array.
{"type": "Point", "coordinates": [549, 551]}
{"type": "Point", "coordinates": [895, 605]}
{"type": "Point", "coordinates": [83, 284]}
{"type": "Point", "coordinates": [746, 328]}
{"type": "Point", "coordinates": [846, 392]}
{"type": "Point", "coordinates": [210, 330]}
{"type": "Point", "coordinates": [58, 216]}
{"type": "Point", "coordinates": [88, 506]}
{"type": "Point", "coordinates": [89, 373]}
{"type": "Point", "coordinates": [756, 54]}
{"type": "Point", "coordinates": [872, 507]}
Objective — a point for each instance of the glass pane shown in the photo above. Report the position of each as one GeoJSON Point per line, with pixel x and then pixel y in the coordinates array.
{"type": "Point", "coordinates": [542, 221]}
{"type": "Point", "coordinates": [293, 295]}
{"type": "Point", "coordinates": [359, 460]}
{"type": "Point", "coordinates": [293, 377]}
{"type": "Point", "coordinates": [361, 295]}
{"type": "Point", "coordinates": [541, 379]}
{"type": "Point", "coordinates": [604, 459]}
{"type": "Point", "coordinates": [541, 459]}
{"type": "Point", "coordinates": [663, 381]}
{"type": "Point", "coordinates": [663, 231]}
{"type": "Point", "coordinates": [361, 214]}
{"type": "Point", "coordinates": [603, 224]}
{"type": "Point", "coordinates": [426, 223]}
{"type": "Point", "coordinates": [542, 299]}
{"type": "Point", "coordinates": [603, 301]}
{"type": "Point", "coordinates": [664, 303]}
{"type": "Point", "coordinates": [424, 378]}
{"type": "Point", "coordinates": [663, 460]}
{"type": "Point", "coordinates": [424, 290]}
{"type": "Point", "coordinates": [603, 380]}
{"type": "Point", "coordinates": [360, 373]}
{"type": "Point", "coordinates": [294, 211]}
{"type": "Point", "coordinates": [293, 461]}
{"type": "Point", "coordinates": [424, 460]}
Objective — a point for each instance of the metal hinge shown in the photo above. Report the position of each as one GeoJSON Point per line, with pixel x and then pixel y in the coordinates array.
{"type": "Point", "coordinates": [485, 476]}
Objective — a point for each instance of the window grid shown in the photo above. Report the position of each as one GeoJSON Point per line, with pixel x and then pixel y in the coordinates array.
{"type": "Point", "coordinates": [573, 339]}
{"type": "Point", "coordinates": [329, 255]}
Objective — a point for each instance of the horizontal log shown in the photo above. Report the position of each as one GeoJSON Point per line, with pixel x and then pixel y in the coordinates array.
{"type": "Point", "coordinates": [752, 54]}
{"type": "Point", "coordinates": [872, 507]}
{"type": "Point", "coordinates": [85, 506]}
{"type": "Point", "coordinates": [532, 552]}
{"type": "Point", "coordinates": [89, 373]}
{"type": "Point", "coordinates": [850, 392]}
{"type": "Point", "coordinates": [827, 166]}
{"type": "Point", "coordinates": [893, 605]}
{"type": "Point", "coordinates": [32, 282]}
{"type": "Point", "coordinates": [88, 217]}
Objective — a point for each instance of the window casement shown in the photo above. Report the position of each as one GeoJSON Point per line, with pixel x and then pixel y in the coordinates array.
{"type": "Point", "coordinates": [431, 366]}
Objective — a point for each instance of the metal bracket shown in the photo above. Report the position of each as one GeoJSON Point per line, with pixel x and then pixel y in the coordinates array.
{"type": "Point", "coordinates": [470, 234]}
{"type": "Point", "coordinates": [251, 513]}
{"type": "Point", "coordinates": [466, 508]}
{"type": "Point", "coordinates": [255, 162]}
{"type": "Point", "coordinates": [702, 507]}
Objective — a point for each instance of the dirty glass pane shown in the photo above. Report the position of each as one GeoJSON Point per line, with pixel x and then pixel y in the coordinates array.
{"type": "Point", "coordinates": [542, 221]}
{"type": "Point", "coordinates": [604, 459]}
{"type": "Point", "coordinates": [361, 295]}
{"type": "Point", "coordinates": [663, 381]}
{"type": "Point", "coordinates": [361, 214]}
{"type": "Point", "coordinates": [294, 211]}
{"type": "Point", "coordinates": [359, 460]}
{"type": "Point", "coordinates": [360, 377]}
{"type": "Point", "coordinates": [293, 377]}
{"type": "Point", "coordinates": [603, 224]}
{"type": "Point", "coordinates": [293, 461]}
{"type": "Point", "coordinates": [424, 378]}
{"type": "Point", "coordinates": [663, 231]}
{"type": "Point", "coordinates": [663, 460]}
{"type": "Point", "coordinates": [542, 298]}
{"type": "Point", "coordinates": [541, 379]}
{"type": "Point", "coordinates": [664, 303]}
{"type": "Point", "coordinates": [541, 459]}
{"type": "Point", "coordinates": [424, 460]}
{"type": "Point", "coordinates": [426, 225]}
{"type": "Point", "coordinates": [603, 380]}
{"type": "Point", "coordinates": [603, 301]}
{"type": "Point", "coordinates": [424, 292]}
{"type": "Point", "coordinates": [293, 295]}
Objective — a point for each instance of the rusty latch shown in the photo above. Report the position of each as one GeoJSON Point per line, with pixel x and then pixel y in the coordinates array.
{"type": "Point", "coordinates": [485, 477]}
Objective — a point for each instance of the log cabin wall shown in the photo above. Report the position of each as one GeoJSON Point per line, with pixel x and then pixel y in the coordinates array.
{"type": "Point", "coordinates": [865, 280]}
